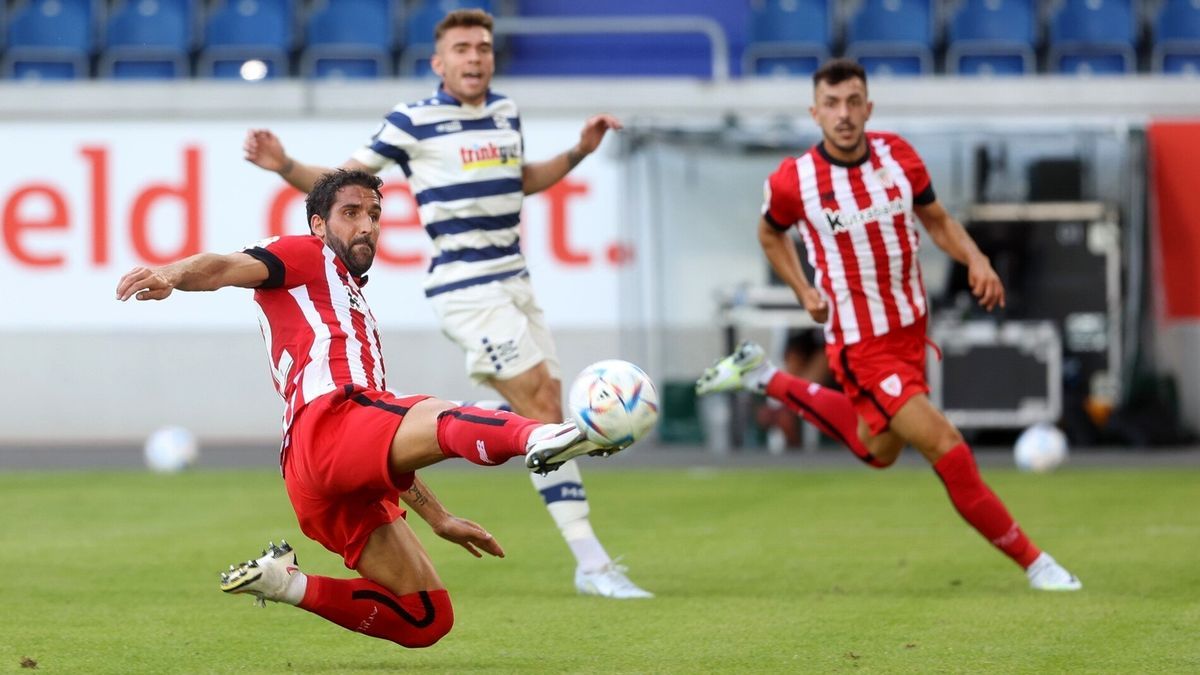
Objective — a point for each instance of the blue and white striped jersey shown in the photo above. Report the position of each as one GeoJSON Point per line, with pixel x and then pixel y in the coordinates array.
{"type": "Point", "coordinates": [463, 164]}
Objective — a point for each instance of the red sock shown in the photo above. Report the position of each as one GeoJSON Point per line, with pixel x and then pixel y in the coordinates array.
{"type": "Point", "coordinates": [481, 436]}
{"type": "Point", "coordinates": [980, 507]}
{"type": "Point", "coordinates": [363, 606]}
{"type": "Point", "coordinates": [828, 410]}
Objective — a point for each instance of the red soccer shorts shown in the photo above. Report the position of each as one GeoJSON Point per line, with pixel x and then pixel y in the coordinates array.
{"type": "Point", "coordinates": [881, 374]}
{"type": "Point", "coordinates": [336, 467]}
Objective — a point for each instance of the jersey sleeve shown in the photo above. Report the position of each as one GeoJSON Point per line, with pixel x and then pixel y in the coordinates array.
{"type": "Point", "coordinates": [291, 261]}
{"type": "Point", "coordinates": [782, 206]}
{"type": "Point", "coordinates": [393, 143]}
{"type": "Point", "coordinates": [914, 171]}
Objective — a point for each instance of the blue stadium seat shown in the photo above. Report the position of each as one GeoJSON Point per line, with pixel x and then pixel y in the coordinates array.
{"type": "Point", "coordinates": [892, 37]}
{"type": "Point", "coordinates": [247, 30]}
{"type": "Point", "coordinates": [1093, 37]}
{"type": "Point", "coordinates": [607, 53]}
{"type": "Point", "coordinates": [148, 39]}
{"type": "Point", "coordinates": [418, 32]}
{"type": "Point", "coordinates": [788, 37]}
{"type": "Point", "coordinates": [50, 40]}
{"type": "Point", "coordinates": [992, 37]}
{"type": "Point", "coordinates": [349, 39]}
{"type": "Point", "coordinates": [1177, 38]}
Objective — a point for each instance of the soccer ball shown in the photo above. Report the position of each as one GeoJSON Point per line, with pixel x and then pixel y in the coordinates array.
{"type": "Point", "coordinates": [170, 450]}
{"type": "Point", "coordinates": [1040, 448]}
{"type": "Point", "coordinates": [613, 402]}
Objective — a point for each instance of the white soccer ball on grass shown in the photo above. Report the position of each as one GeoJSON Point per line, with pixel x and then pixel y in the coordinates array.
{"type": "Point", "coordinates": [1040, 448]}
{"type": "Point", "coordinates": [170, 450]}
{"type": "Point", "coordinates": [614, 402]}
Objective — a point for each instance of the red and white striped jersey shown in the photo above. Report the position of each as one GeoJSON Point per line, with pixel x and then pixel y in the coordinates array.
{"type": "Point", "coordinates": [319, 331]}
{"type": "Point", "coordinates": [858, 227]}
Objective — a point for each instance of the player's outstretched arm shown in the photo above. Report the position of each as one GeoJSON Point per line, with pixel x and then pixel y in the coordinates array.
{"type": "Point", "coordinates": [201, 272]}
{"type": "Point", "coordinates": [263, 149]}
{"type": "Point", "coordinates": [952, 237]}
{"type": "Point", "coordinates": [461, 531]}
{"type": "Point", "coordinates": [777, 245]}
{"type": "Point", "coordinates": [537, 176]}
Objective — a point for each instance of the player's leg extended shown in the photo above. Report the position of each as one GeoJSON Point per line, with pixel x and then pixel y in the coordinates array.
{"type": "Point", "coordinates": [928, 430]}
{"type": "Point", "coordinates": [748, 368]}
{"type": "Point", "coordinates": [345, 498]}
{"type": "Point", "coordinates": [434, 430]}
{"type": "Point", "coordinates": [409, 606]}
{"type": "Point", "coordinates": [398, 598]}
{"type": "Point", "coordinates": [535, 393]}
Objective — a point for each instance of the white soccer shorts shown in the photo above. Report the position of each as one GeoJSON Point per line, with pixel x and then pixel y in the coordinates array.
{"type": "Point", "coordinates": [500, 327]}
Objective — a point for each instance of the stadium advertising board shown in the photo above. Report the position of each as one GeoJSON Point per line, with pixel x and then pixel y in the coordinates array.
{"type": "Point", "coordinates": [82, 203]}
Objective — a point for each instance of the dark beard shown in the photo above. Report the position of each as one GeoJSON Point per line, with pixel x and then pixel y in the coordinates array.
{"type": "Point", "coordinates": [858, 145]}
{"type": "Point", "coordinates": [356, 265]}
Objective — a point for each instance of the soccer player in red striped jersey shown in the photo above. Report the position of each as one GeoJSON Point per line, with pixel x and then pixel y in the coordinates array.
{"type": "Point", "coordinates": [855, 198]}
{"type": "Point", "coordinates": [351, 449]}
{"type": "Point", "coordinates": [461, 151]}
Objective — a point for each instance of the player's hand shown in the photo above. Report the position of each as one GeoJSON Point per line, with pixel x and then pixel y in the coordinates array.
{"type": "Point", "coordinates": [816, 305]}
{"type": "Point", "coordinates": [985, 283]}
{"type": "Point", "coordinates": [144, 283]}
{"type": "Point", "coordinates": [264, 149]}
{"type": "Point", "coordinates": [593, 132]}
{"type": "Point", "coordinates": [469, 535]}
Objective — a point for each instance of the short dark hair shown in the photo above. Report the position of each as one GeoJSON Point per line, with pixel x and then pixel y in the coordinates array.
{"type": "Point", "coordinates": [462, 18]}
{"type": "Point", "coordinates": [804, 343]}
{"type": "Point", "coordinates": [836, 71]}
{"type": "Point", "coordinates": [320, 199]}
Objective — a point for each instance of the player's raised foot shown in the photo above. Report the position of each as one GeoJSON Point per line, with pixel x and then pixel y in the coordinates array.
{"type": "Point", "coordinates": [266, 578]}
{"type": "Point", "coordinates": [1045, 574]}
{"type": "Point", "coordinates": [730, 373]}
{"type": "Point", "coordinates": [609, 581]}
{"type": "Point", "coordinates": [551, 445]}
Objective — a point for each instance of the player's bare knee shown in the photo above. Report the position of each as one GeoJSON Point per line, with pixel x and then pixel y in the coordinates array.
{"type": "Point", "coordinates": [886, 457]}
{"type": "Point", "coordinates": [883, 462]}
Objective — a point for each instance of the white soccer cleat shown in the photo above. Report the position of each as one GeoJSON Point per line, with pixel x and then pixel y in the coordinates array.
{"type": "Point", "coordinates": [1045, 574]}
{"type": "Point", "coordinates": [728, 373]}
{"type": "Point", "coordinates": [551, 445]}
{"type": "Point", "coordinates": [609, 582]}
{"type": "Point", "coordinates": [265, 578]}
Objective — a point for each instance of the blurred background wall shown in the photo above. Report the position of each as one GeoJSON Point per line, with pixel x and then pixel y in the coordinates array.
{"type": "Point", "coordinates": [121, 151]}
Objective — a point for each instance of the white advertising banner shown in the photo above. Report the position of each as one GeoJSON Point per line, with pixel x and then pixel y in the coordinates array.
{"type": "Point", "coordinates": [82, 203]}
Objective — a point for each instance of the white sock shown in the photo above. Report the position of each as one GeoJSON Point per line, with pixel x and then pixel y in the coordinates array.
{"type": "Point", "coordinates": [756, 379]}
{"type": "Point", "coordinates": [567, 503]}
{"type": "Point", "coordinates": [590, 555]}
{"type": "Point", "coordinates": [297, 585]}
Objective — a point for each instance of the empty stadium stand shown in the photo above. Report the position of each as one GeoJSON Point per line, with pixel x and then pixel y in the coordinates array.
{"type": "Point", "coordinates": [706, 39]}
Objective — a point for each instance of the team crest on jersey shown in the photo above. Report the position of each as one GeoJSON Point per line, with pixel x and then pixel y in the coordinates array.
{"type": "Point", "coordinates": [885, 177]}
{"type": "Point", "coordinates": [501, 121]}
{"type": "Point", "coordinates": [891, 385]}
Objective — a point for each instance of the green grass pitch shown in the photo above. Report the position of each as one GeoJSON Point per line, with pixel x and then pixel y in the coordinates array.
{"type": "Point", "coordinates": [755, 570]}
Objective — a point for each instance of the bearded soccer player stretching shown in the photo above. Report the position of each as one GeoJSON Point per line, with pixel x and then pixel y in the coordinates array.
{"type": "Point", "coordinates": [853, 197]}
{"type": "Point", "coordinates": [351, 449]}
{"type": "Point", "coordinates": [462, 151]}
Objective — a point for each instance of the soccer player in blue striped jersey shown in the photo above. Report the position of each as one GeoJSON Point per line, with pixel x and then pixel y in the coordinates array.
{"type": "Point", "coordinates": [462, 153]}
